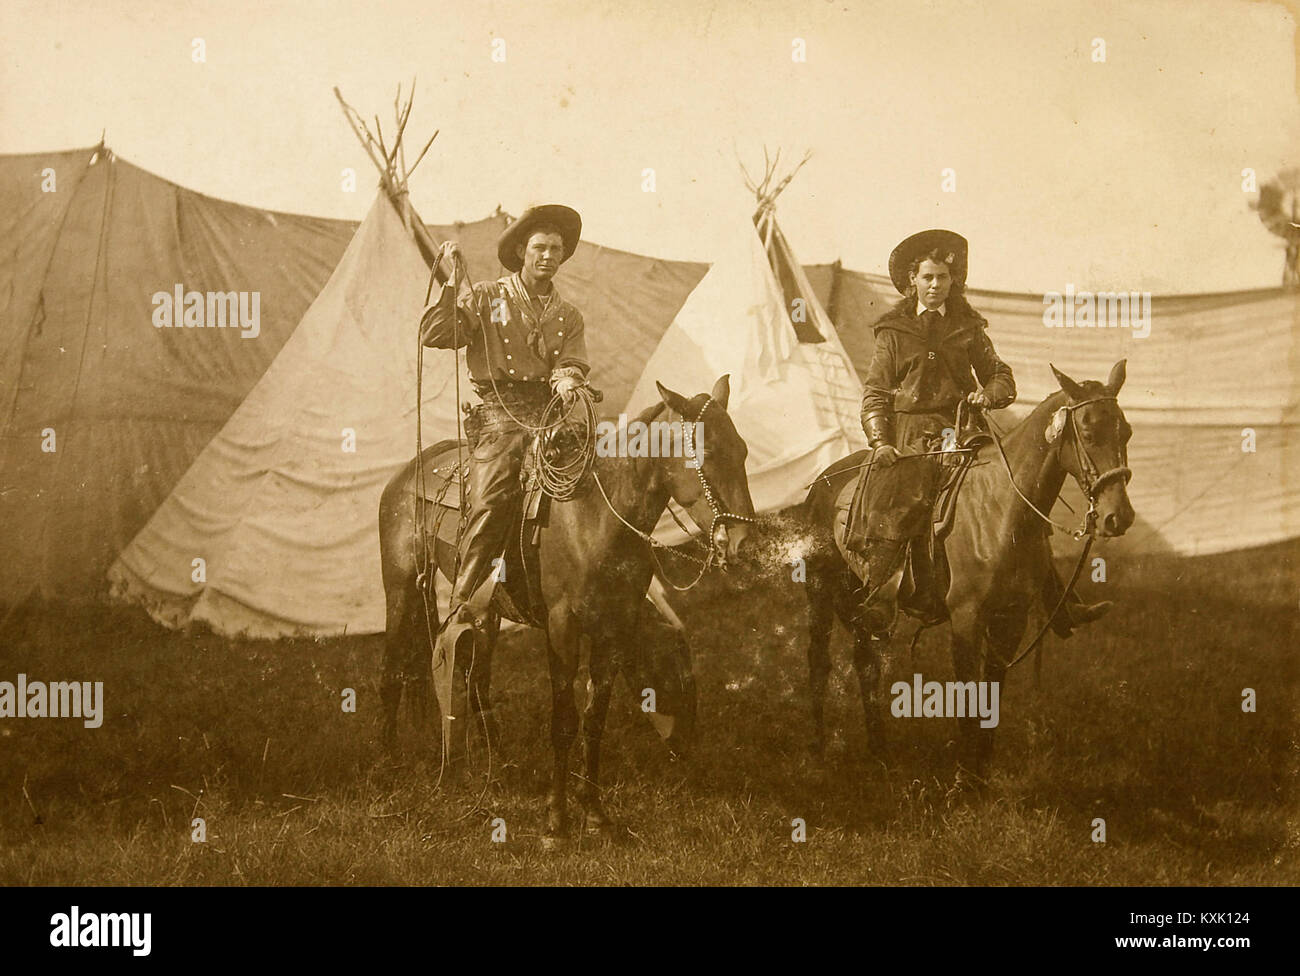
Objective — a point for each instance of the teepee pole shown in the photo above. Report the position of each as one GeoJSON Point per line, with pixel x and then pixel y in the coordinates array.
{"type": "Point", "coordinates": [429, 248]}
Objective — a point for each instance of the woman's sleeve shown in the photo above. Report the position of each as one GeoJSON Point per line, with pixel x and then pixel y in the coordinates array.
{"type": "Point", "coordinates": [882, 377]}
{"type": "Point", "coordinates": [994, 375]}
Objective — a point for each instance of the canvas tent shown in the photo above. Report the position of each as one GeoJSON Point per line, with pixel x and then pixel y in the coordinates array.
{"type": "Point", "coordinates": [86, 240]}
{"type": "Point", "coordinates": [795, 395]}
{"type": "Point", "coordinates": [282, 504]}
{"type": "Point", "coordinates": [132, 406]}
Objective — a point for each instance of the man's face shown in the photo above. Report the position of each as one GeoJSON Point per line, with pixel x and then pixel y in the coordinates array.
{"type": "Point", "coordinates": [933, 281]}
{"type": "Point", "coordinates": [542, 255]}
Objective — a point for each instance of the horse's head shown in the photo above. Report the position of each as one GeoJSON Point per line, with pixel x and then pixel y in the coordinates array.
{"type": "Point", "coordinates": [1091, 437]}
{"type": "Point", "coordinates": [710, 482]}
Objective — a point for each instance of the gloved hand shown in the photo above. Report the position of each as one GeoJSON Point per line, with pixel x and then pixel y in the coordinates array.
{"type": "Point", "coordinates": [885, 455]}
{"type": "Point", "coordinates": [567, 387]}
{"type": "Point", "coordinates": [449, 254]}
{"type": "Point", "coordinates": [979, 399]}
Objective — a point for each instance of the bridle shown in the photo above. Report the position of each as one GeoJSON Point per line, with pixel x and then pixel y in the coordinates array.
{"type": "Point", "coordinates": [719, 513]}
{"type": "Point", "coordinates": [1091, 480]}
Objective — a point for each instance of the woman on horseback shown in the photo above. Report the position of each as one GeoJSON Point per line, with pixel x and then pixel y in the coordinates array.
{"type": "Point", "coordinates": [932, 352]}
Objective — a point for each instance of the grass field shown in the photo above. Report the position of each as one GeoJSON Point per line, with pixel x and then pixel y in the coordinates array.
{"type": "Point", "coordinates": [1137, 720]}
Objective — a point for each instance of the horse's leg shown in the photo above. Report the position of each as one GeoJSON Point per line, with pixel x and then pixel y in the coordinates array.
{"type": "Point", "coordinates": [609, 636]}
{"type": "Point", "coordinates": [421, 625]}
{"type": "Point", "coordinates": [821, 620]}
{"type": "Point", "coordinates": [995, 675]}
{"type": "Point", "coordinates": [480, 681]}
{"type": "Point", "coordinates": [867, 654]}
{"type": "Point", "coordinates": [1004, 634]}
{"type": "Point", "coordinates": [967, 640]}
{"type": "Point", "coordinates": [563, 635]}
{"type": "Point", "coordinates": [399, 642]}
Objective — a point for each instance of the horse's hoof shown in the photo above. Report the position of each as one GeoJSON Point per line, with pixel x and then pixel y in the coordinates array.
{"type": "Point", "coordinates": [554, 842]}
{"type": "Point", "coordinates": [968, 785]}
{"type": "Point", "coordinates": [678, 751]}
{"type": "Point", "coordinates": [604, 829]}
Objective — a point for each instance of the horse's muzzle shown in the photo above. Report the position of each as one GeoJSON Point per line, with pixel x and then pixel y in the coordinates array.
{"type": "Point", "coordinates": [727, 540]}
{"type": "Point", "coordinates": [1116, 519]}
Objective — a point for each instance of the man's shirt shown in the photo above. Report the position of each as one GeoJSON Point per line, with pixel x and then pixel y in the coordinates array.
{"type": "Point", "coordinates": [503, 340]}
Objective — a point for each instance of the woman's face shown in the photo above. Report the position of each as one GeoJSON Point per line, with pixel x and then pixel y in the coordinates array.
{"type": "Point", "coordinates": [933, 281]}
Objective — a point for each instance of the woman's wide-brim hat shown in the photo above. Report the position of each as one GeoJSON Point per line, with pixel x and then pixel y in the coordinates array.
{"type": "Point", "coordinates": [951, 246]}
{"type": "Point", "coordinates": [565, 218]}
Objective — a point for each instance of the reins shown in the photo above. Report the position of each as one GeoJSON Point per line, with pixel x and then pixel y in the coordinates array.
{"type": "Point", "coordinates": [1091, 482]}
{"type": "Point", "coordinates": [710, 495]}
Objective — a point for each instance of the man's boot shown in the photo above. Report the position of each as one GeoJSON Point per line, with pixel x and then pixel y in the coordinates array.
{"type": "Point", "coordinates": [1076, 612]}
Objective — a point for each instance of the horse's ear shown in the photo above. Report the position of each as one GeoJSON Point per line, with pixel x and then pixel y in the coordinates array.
{"type": "Point", "coordinates": [675, 401]}
{"type": "Point", "coordinates": [721, 390]}
{"type": "Point", "coordinates": [1116, 379]}
{"type": "Point", "coordinates": [1072, 389]}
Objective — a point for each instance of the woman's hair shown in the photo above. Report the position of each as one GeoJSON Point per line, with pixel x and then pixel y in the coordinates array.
{"type": "Point", "coordinates": [956, 294]}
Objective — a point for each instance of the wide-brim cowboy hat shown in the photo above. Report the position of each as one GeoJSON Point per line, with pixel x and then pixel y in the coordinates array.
{"type": "Point", "coordinates": [952, 246]}
{"type": "Point", "coordinates": [565, 218]}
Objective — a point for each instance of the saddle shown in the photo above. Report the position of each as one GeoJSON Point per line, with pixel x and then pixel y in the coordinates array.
{"type": "Point", "coordinates": [944, 512]}
{"type": "Point", "coordinates": [519, 595]}
{"type": "Point", "coordinates": [945, 505]}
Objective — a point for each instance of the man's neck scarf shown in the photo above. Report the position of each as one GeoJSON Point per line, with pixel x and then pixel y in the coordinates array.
{"type": "Point", "coordinates": [518, 292]}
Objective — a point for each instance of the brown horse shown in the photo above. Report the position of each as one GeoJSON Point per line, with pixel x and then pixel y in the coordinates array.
{"type": "Point", "coordinates": [998, 548]}
{"type": "Point", "coordinates": [596, 565]}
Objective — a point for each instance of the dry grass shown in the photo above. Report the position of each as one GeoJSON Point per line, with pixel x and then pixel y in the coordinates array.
{"type": "Point", "coordinates": [1138, 721]}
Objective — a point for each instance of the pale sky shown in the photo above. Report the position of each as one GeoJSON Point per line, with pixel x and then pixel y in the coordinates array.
{"type": "Point", "coordinates": [1123, 174]}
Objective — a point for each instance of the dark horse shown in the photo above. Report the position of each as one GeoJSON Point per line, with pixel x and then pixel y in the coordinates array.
{"type": "Point", "coordinates": [998, 548]}
{"type": "Point", "coordinates": [595, 571]}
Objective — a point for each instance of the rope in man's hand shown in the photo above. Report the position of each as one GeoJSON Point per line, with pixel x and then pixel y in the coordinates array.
{"type": "Point", "coordinates": [559, 471]}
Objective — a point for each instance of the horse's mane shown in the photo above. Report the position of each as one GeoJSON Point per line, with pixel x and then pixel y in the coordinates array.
{"type": "Point", "coordinates": [696, 403]}
{"type": "Point", "coordinates": [651, 412]}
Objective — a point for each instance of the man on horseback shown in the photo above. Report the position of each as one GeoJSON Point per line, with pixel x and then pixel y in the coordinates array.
{"type": "Point", "coordinates": [524, 344]}
{"type": "Point", "coordinates": [930, 350]}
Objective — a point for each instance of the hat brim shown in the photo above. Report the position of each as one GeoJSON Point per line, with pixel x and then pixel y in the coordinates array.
{"type": "Point", "coordinates": [900, 260]}
{"type": "Point", "coordinates": [565, 218]}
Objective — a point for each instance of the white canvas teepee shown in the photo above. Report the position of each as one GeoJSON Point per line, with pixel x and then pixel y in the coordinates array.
{"type": "Point", "coordinates": [282, 504]}
{"type": "Point", "coordinates": [795, 396]}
